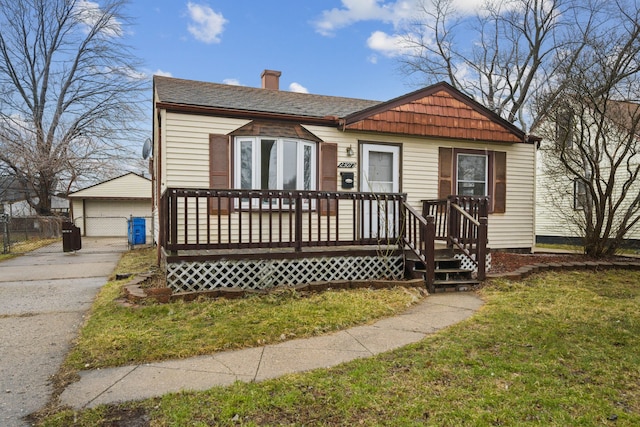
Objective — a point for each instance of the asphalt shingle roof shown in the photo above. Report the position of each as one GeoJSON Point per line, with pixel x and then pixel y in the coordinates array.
{"type": "Point", "coordinates": [216, 95]}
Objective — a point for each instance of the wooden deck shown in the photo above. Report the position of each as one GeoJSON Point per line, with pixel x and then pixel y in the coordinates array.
{"type": "Point", "coordinates": [234, 236]}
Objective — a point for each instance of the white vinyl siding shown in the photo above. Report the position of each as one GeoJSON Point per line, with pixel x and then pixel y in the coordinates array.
{"type": "Point", "coordinates": [556, 215]}
{"type": "Point", "coordinates": [129, 185]}
{"type": "Point", "coordinates": [185, 148]}
{"type": "Point", "coordinates": [185, 154]}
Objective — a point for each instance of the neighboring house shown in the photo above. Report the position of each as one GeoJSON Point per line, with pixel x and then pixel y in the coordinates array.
{"type": "Point", "coordinates": [560, 197]}
{"type": "Point", "coordinates": [105, 208]}
{"type": "Point", "coordinates": [14, 195]}
{"type": "Point", "coordinates": [256, 187]}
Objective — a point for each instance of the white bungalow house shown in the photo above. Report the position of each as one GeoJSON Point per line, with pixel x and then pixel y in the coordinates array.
{"type": "Point", "coordinates": [104, 209]}
{"type": "Point", "coordinates": [561, 197]}
{"type": "Point", "coordinates": [258, 187]}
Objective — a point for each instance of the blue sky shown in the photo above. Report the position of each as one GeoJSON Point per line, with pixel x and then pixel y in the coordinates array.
{"type": "Point", "coordinates": [329, 47]}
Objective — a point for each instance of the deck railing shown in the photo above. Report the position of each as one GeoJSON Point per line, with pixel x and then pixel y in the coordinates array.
{"type": "Point", "coordinates": [209, 219]}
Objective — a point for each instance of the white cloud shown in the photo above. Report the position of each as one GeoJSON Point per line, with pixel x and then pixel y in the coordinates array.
{"type": "Point", "coordinates": [399, 13]}
{"type": "Point", "coordinates": [207, 25]}
{"type": "Point", "coordinates": [232, 82]}
{"type": "Point", "coordinates": [353, 11]}
{"type": "Point", "coordinates": [389, 45]}
{"type": "Point", "coordinates": [297, 87]}
{"type": "Point", "coordinates": [159, 72]}
{"type": "Point", "coordinates": [467, 7]}
{"type": "Point", "coordinates": [90, 14]}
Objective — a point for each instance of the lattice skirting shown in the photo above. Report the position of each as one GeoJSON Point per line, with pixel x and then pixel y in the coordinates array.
{"type": "Point", "coordinates": [264, 274]}
{"type": "Point", "coordinates": [468, 263]}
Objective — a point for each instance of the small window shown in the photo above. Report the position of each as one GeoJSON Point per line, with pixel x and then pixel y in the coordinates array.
{"type": "Point", "coordinates": [472, 174]}
{"type": "Point", "coordinates": [275, 164]}
{"type": "Point", "coordinates": [579, 194]}
{"type": "Point", "coordinates": [564, 128]}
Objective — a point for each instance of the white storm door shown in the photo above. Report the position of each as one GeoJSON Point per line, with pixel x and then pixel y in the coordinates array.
{"type": "Point", "coordinates": [380, 174]}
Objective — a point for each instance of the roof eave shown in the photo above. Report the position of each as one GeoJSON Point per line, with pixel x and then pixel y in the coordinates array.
{"type": "Point", "coordinates": [247, 114]}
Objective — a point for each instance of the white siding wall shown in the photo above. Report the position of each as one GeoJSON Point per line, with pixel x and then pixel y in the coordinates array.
{"type": "Point", "coordinates": [555, 215]}
{"type": "Point", "coordinates": [77, 210]}
{"type": "Point", "coordinates": [185, 159]}
{"type": "Point", "coordinates": [513, 229]}
{"type": "Point", "coordinates": [130, 185]}
{"type": "Point", "coordinates": [185, 148]}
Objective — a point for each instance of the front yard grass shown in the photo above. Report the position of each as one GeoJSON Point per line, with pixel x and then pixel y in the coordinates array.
{"type": "Point", "coordinates": [116, 335]}
{"type": "Point", "coordinates": [557, 349]}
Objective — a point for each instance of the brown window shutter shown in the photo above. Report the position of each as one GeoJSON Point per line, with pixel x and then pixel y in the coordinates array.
{"type": "Point", "coordinates": [328, 175]}
{"type": "Point", "coordinates": [219, 170]}
{"type": "Point", "coordinates": [500, 182]}
{"type": "Point", "coordinates": [445, 172]}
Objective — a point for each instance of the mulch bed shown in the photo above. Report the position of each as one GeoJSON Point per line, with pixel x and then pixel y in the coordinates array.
{"type": "Point", "coordinates": [504, 262]}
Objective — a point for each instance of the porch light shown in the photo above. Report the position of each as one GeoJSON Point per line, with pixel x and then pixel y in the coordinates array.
{"type": "Point", "coordinates": [349, 151]}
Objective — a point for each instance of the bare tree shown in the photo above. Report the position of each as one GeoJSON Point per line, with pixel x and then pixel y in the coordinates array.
{"type": "Point", "coordinates": [566, 70]}
{"type": "Point", "coordinates": [502, 56]}
{"type": "Point", "coordinates": [69, 92]}
{"type": "Point", "coordinates": [592, 131]}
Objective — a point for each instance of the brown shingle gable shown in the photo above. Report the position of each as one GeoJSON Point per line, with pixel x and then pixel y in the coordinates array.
{"type": "Point", "coordinates": [438, 111]}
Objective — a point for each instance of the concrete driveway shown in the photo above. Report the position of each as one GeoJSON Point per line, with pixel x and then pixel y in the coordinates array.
{"type": "Point", "coordinates": [43, 298]}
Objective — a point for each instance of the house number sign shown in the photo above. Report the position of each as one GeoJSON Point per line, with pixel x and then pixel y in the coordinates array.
{"type": "Point", "coordinates": [347, 165]}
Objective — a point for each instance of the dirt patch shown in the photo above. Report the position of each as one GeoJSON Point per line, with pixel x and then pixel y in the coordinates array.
{"type": "Point", "coordinates": [154, 281]}
{"type": "Point", "coordinates": [117, 416]}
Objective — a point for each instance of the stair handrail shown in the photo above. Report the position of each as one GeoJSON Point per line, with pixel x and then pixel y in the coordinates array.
{"type": "Point", "coordinates": [420, 236]}
{"type": "Point", "coordinates": [465, 214]}
{"type": "Point", "coordinates": [472, 242]}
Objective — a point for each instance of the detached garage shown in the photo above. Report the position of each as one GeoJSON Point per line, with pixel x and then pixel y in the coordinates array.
{"type": "Point", "coordinates": [103, 209]}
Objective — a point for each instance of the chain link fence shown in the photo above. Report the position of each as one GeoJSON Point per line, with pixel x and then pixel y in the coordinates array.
{"type": "Point", "coordinates": [112, 226]}
{"type": "Point", "coordinates": [24, 234]}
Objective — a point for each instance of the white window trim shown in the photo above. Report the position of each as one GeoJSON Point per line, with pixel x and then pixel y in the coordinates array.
{"type": "Point", "coordinates": [256, 172]}
{"type": "Point", "coordinates": [579, 197]}
{"type": "Point", "coordinates": [486, 172]}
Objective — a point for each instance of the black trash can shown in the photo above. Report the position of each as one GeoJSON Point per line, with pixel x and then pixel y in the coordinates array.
{"type": "Point", "coordinates": [71, 240]}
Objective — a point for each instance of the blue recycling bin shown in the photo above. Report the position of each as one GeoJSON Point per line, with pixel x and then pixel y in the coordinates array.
{"type": "Point", "coordinates": [136, 231]}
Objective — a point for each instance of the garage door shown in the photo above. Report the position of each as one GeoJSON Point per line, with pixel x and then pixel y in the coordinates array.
{"type": "Point", "coordinates": [109, 218]}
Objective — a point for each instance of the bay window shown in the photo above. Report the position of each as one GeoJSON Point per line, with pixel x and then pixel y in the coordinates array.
{"type": "Point", "coordinates": [275, 164]}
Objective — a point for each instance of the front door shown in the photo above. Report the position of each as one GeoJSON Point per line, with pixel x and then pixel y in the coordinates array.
{"type": "Point", "coordinates": [380, 173]}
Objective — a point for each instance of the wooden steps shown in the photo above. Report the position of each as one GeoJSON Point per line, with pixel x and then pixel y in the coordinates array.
{"type": "Point", "coordinates": [449, 275]}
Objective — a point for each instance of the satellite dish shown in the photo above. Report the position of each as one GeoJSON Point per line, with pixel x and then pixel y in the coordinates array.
{"type": "Point", "coordinates": [147, 148]}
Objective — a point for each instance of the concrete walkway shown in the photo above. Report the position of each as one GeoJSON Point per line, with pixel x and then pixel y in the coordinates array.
{"type": "Point", "coordinates": [43, 297]}
{"type": "Point", "coordinates": [137, 382]}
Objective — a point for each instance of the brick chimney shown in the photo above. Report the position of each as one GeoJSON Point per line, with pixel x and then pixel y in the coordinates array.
{"type": "Point", "coordinates": [271, 79]}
